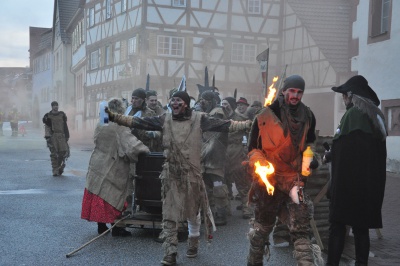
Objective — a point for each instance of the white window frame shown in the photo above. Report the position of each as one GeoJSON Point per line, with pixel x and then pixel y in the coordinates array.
{"type": "Point", "coordinates": [179, 3]}
{"type": "Point", "coordinates": [385, 16]}
{"type": "Point", "coordinates": [132, 45]}
{"type": "Point", "coordinates": [243, 53]}
{"type": "Point", "coordinates": [170, 46]}
{"type": "Point", "coordinates": [108, 9]}
{"type": "Point", "coordinates": [91, 17]}
{"type": "Point", "coordinates": [123, 6]}
{"type": "Point", "coordinates": [254, 6]}
{"type": "Point", "coordinates": [94, 60]}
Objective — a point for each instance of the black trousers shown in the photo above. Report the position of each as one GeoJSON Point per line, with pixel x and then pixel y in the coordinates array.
{"type": "Point", "coordinates": [337, 236]}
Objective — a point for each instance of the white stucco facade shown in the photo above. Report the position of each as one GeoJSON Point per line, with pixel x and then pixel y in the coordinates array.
{"type": "Point", "coordinates": [379, 63]}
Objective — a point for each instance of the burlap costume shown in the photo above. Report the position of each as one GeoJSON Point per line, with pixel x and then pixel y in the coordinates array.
{"type": "Point", "coordinates": [183, 189]}
{"type": "Point", "coordinates": [213, 156]}
{"type": "Point", "coordinates": [279, 135]}
{"type": "Point", "coordinates": [108, 170]}
{"type": "Point", "coordinates": [57, 135]}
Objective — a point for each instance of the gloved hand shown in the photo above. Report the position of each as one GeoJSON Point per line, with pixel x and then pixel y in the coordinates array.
{"type": "Point", "coordinates": [314, 163]}
{"type": "Point", "coordinates": [111, 115]}
{"type": "Point", "coordinates": [327, 157]}
{"type": "Point", "coordinates": [256, 155]}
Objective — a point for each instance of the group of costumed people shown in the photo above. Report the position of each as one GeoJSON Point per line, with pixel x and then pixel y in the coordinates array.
{"type": "Point", "coordinates": [195, 182]}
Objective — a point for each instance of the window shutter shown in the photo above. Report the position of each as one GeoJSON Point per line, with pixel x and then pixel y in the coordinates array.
{"type": "Point", "coordinates": [124, 51]}
{"type": "Point", "coordinates": [111, 54]}
{"type": "Point", "coordinates": [376, 17]}
{"type": "Point", "coordinates": [188, 48]}
{"type": "Point", "coordinates": [152, 44]}
{"type": "Point", "coordinates": [227, 51]}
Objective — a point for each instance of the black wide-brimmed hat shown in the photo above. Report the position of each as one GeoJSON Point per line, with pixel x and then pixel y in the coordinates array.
{"type": "Point", "coordinates": [358, 85]}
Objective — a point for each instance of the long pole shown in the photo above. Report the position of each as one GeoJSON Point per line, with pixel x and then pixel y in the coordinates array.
{"type": "Point", "coordinates": [97, 237]}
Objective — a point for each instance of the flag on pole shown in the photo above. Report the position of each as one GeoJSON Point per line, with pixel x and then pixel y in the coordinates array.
{"type": "Point", "coordinates": [263, 59]}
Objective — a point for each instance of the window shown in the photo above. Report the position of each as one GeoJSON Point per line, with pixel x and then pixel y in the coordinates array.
{"type": "Point", "coordinates": [391, 110]}
{"type": "Point", "coordinates": [108, 55]}
{"type": "Point", "coordinates": [181, 3]}
{"type": "Point", "coordinates": [94, 59]}
{"type": "Point", "coordinates": [254, 6]}
{"type": "Point", "coordinates": [132, 46]}
{"type": "Point", "coordinates": [123, 6]}
{"type": "Point", "coordinates": [91, 17]}
{"type": "Point", "coordinates": [385, 16]}
{"type": "Point", "coordinates": [82, 32]}
{"type": "Point", "coordinates": [243, 53]}
{"type": "Point", "coordinates": [379, 20]}
{"type": "Point", "coordinates": [77, 36]}
{"type": "Point", "coordinates": [108, 9]}
{"type": "Point", "coordinates": [170, 46]}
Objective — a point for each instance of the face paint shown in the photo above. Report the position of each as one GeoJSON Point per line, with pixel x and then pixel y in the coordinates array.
{"type": "Point", "coordinates": [177, 105]}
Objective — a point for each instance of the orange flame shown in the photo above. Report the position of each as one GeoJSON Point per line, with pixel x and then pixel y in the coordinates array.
{"type": "Point", "coordinates": [271, 92]}
{"type": "Point", "coordinates": [263, 172]}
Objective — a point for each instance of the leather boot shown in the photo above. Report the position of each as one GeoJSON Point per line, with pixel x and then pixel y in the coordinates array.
{"type": "Point", "coordinates": [101, 228]}
{"type": "Point", "coordinates": [220, 217]}
{"type": "Point", "coordinates": [169, 259]}
{"type": "Point", "coordinates": [193, 245]}
{"type": "Point", "coordinates": [119, 231]}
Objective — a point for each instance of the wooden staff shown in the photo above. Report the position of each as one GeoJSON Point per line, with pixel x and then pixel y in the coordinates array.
{"type": "Point", "coordinates": [97, 237]}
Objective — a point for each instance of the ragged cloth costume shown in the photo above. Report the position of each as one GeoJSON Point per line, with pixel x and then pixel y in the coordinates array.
{"type": "Point", "coordinates": [107, 178]}
{"type": "Point", "coordinates": [279, 135]}
{"type": "Point", "coordinates": [235, 172]}
{"type": "Point", "coordinates": [57, 135]}
{"type": "Point", "coordinates": [183, 190]}
{"type": "Point", "coordinates": [213, 159]}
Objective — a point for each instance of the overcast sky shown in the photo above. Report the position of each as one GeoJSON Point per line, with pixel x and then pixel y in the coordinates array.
{"type": "Point", "coordinates": [16, 16]}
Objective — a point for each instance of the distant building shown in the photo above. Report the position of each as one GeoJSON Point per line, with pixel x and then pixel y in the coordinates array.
{"type": "Point", "coordinates": [63, 88]}
{"type": "Point", "coordinates": [41, 58]}
{"type": "Point", "coordinates": [15, 91]}
{"type": "Point", "coordinates": [76, 28]}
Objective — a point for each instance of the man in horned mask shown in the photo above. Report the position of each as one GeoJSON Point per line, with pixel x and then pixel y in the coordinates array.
{"type": "Point", "coordinates": [213, 160]}
{"type": "Point", "coordinates": [235, 172]}
{"type": "Point", "coordinates": [279, 135]}
{"type": "Point", "coordinates": [183, 191]}
{"type": "Point", "coordinates": [358, 157]}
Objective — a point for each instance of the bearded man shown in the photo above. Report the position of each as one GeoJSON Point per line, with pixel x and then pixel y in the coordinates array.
{"type": "Point", "coordinates": [279, 135]}
{"type": "Point", "coordinates": [183, 191]}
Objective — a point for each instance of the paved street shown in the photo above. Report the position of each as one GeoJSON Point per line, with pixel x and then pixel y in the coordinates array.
{"type": "Point", "coordinates": [40, 218]}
